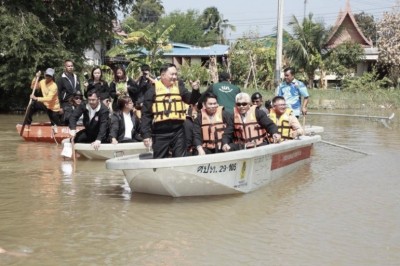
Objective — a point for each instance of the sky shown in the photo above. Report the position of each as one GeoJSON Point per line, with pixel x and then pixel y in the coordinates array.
{"type": "Point", "coordinates": [260, 16]}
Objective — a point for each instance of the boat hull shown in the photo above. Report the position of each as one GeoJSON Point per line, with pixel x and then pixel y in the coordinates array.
{"type": "Point", "coordinates": [107, 151]}
{"type": "Point", "coordinates": [42, 132]}
{"type": "Point", "coordinates": [217, 174]}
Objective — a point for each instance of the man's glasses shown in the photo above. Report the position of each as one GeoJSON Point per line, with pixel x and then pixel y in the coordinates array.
{"type": "Point", "coordinates": [241, 104]}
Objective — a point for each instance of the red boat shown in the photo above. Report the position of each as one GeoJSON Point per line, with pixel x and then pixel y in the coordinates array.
{"type": "Point", "coordinates": [43, 132]}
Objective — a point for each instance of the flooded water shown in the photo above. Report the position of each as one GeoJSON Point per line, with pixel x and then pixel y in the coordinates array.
{"type": "Point", "coordinates": [341, 209]}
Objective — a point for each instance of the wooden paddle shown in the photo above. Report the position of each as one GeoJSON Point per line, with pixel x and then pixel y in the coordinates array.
{"type": "Point", "coordinates": [29, 104]}
{"type": "Point", "coordinates": [73, 150]}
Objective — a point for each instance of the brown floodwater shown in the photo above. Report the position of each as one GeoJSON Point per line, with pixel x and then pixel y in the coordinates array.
{"type": "Point", "coordinates": [343, 208]}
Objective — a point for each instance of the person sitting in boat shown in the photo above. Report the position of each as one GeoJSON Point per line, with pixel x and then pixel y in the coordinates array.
{"type": "Point", "coordinates": [74, 101]}
{"type": "Point", "coordinates": [163, 113]}
{"type": "Point", "coordinates": [250, 126]}
{"type": "Point", "coordinates": [95, 120]}
{"type": "Point", "coordinates": [124, 125]}
{"type": "Point", "coordinates": [257, 100]}
{"type": "Point", "coordinates": [49, 102]}
{"type": "Point", "coordinates": [288, 125]}
{"type": "Point", "coordinates": [209, 126]}
{"type": "Point", "coordinates": [191, 114]}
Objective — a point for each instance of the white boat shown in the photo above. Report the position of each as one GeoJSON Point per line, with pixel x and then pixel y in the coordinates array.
{"type": "Point", "coordinates": [312, 130]}
{"type": "Point", "coordinates": [223, 173]}
{"type": "Point", "coordinates": [107, 150]}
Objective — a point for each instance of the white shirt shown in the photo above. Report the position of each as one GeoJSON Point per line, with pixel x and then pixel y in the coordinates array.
{"type": "Point", "coordinates": [128, 126]}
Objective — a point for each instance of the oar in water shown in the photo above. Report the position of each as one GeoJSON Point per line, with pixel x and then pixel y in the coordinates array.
{"type": "Point", "coordinates": [344, 147]}
{"type": "Point", "coordinates": [349, 115]}
{"type": "Point", "coordinates": [29, 105]}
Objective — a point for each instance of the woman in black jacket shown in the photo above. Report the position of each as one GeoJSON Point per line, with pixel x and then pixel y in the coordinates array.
{"type": "Point", "coordinates": [124, 125]}
{"type": "Point", "coordinates": [120, 86]}
{"type": "Point", "coordinates": [101, 86]}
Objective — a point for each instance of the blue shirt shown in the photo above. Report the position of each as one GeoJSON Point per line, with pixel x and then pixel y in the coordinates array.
{"type": "Point", "coordinates": [292, 93]}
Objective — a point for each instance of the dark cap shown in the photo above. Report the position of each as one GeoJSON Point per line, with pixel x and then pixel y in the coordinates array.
{"type": "Point", "coordinates": [256, 96]}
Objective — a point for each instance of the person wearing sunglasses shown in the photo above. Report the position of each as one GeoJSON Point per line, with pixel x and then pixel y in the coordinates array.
{"type": "Point", "coordinates": [288, 125]}
{"type": "Point", "coordinates": [250, 126]}
{"type": "Point", "coordinates": [74, 102]}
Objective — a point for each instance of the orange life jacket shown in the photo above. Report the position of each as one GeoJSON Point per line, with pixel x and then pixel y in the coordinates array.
{"type": "Point", "coordinates": [249, 133]}
{"type": "Point", "coordinates": [168, 104]}
{"type": "Point", "coordinates": [212, 129]}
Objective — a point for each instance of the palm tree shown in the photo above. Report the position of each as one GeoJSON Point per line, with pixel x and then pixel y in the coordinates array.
{"type": "Point", "coordinates": [154, 41]}
{"type": "Point", "coordinates": [305, 45]}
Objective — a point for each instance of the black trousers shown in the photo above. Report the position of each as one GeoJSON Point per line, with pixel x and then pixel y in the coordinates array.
{"type": "Point", "coordinates": [174, 142]}
{"type": "Point", "coordinates": [39, 106]}
{"type": "Point", "coordinates": [83, 137]}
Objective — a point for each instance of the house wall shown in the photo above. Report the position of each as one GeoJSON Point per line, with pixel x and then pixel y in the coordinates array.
{"type": "Point", "coordinates": [94, 56]}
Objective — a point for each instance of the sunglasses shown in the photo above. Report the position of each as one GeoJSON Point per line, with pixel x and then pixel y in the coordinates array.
{"type": "Point", "coordinates": [242, 104]}
{"type": "Point", "coordinates": [78, 98]}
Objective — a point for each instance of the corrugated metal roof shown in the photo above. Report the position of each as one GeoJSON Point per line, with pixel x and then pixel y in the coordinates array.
{"type": "Point", "coordinates": [180, 49]}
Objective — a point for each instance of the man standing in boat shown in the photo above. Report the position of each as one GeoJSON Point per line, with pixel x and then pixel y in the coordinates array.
{"type": "Point", "coordinates": [163, 113]}
{"type": "Point", "coordinates": [250, 126]}
{"type": "Point", "coordinates": [95, 120]}
{"type": "Point", "coordinates": [49, 102]}
{"type": "Point", "coordinates": [288, 125]}
{"type": "Point", "coordinates": [225, 91]}
{"type": "Point", "coordinates": [67, 84]}
{"type": "Point", "coordinates": [209, 125]}
{"type": "Point", "coordinates": [293, 91]}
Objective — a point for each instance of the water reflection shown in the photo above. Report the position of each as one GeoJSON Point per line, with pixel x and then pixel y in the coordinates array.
{"type": "Point", "coordinates": [341, 207]}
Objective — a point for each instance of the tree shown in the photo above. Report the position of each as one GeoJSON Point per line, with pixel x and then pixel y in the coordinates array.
{"type": "Point", "coordinates": [39, 34]}
{"type": "Point", "coordinates": [251, 61]}
{"type": "Point", "coordinates": [343, 59]}
{"type": "Point", "coordinates": [146, 12]}
{"type": "Point", "coordinates": [154, 41]}
{"type": "Point", "coordinates": [213, 21]}
{"type": "Point", "coordinates": [187, 27]}
{"type": "Point", "coordinates": [389, 43]}
{"type": "Point", "coordinates": [305, 45]}
{"type": "Point", "coordinates": [367, 25]}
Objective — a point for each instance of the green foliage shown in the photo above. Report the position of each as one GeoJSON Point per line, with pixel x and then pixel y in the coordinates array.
{"type": "Point", "coordinates": [367, 24]}
{"type": "Point", "coordinates": [368, 82]}
{"type": "Point", "coordinates": [35, 35]}
{"type": "Point", "coordinates": [145, 12]}
{"type": "Point", "coordinates": [263, 59]}
{"type": "Point", "coordinates": [187, 28]}
{"type": "Point", "coordinates": [304, 48]}
{"type": "Point", "coordinates": [194, 72]}
{"type": "Point", "coordinates": [343, 59]}
{"type": "Point", "coordinates": [154, 41]}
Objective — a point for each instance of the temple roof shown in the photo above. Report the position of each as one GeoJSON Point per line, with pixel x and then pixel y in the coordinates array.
{"type": "Point", "coordinates": [347, 29]}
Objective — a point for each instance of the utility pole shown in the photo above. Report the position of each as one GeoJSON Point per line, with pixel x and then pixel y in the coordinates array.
{"type": "Point", "coordinates": [305, 9]}
{"type": "Point", "coordinates": [279, 37]}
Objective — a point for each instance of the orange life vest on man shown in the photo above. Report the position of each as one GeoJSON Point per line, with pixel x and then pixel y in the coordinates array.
{"type": "Point", "coordinates": [249, 132]}
{"type": "Point", "coordinates": [212, 129]}
{"type": "Point", "coordinates": [168, 104]}
{"type": "Point", "coordinates": [283, 123]}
